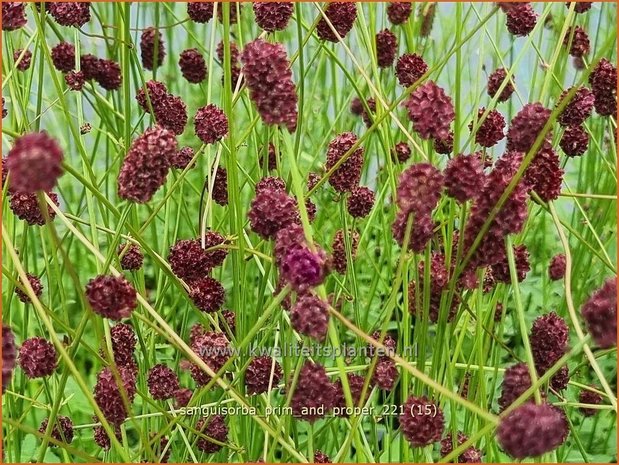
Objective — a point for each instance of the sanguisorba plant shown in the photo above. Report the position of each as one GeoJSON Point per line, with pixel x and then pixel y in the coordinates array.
{"type": "Point", "coordinates": [309, 232]}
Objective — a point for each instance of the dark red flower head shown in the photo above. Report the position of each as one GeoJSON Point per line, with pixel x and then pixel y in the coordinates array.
{"type": "Point", "coordinates": [575, 141]}
{"type": "Point", "coordinates": [603, 78]}
{"type": "Point", "coordinates": [549, 340]}
{"type": "Point", "coordinates": [74, 14]}
{"type": "Point", "coordinates": [532, 430]}
{"type": "Point", "coordinates": [578, 41]}
{"type": "Point", "coordinates": [556, 270]}
{"type": "Point", "coordinates": [495, 80]}
{"type": "Point", "coordinates": [339, 256]}
{"type": "Point", "coordinates": [385, 374]}
{"type": "Point", "coordinates": [402, 151]}
{"type": "Point", "coordinates": [268, 76]}
{"type": "Point", "coordinates": [261, 373]}
{"type": "Point", "coordinates": [75, 80]}
{"type": "Point", "coordinates": [516, 381]}
{"type": "Point", "coordinates": [63, 56]}
{"type": "Point", "coordinates": [606, 104]}
{"type": "Point", "coordinates": [171, 114]}
{"type": "Point", "coordinates": [270, 182]}
{"type": "Point", "coordinates": [521, 19]}
{"type": "Point", "coordinates": [162, 382]}
{"type": "Point", "coordinates": [89, 65]}
{"type": "Point", "coordinates": [211, 428]}
{"type": "Point", "coordinates": [146, 165]}
{"type": "Point", "coordinates": [355, 383]}
{"type": "Point", "coordinates": [342, 16]}
{"type": "Point", "coordinates": [419, 188]}
{"type": "Point", "coordinates": [182, 397]}
{"type": "Point", "coordinates": [431, 111]}
{"type": "Point", "coordinates": [188, 260]}
{"type": "Point", "coordinates": [490, 131]}
{"type": "Point", "coordinates": [409, 69]}
{"type": "Point", "coordinates": [310, 316]}
{"type": "Point", "coordinates": [220, 187]}
{"type": "Point", "coordinates": [346, 177]}
{"type": "Point", "coordinates": [192, 65]}
{"type": "Point", "coordinates": [26, 207]}
{"type": "Point", "coordinates": [211, 124]}
{"type": "Point", "coordinates": [421, 231]}
{"type": "Point", "coordinates": [101, 437]}
{"type": "Point", "coordinates": [421, 421]}
{"type": "Point", "coordinates": [62, 431]}
{"type": "Point", "coordinates": [37, 357]}
{"type": "Point", "coordinates": [500, 270]}
{"type": "Point", "coordinates": [321, 457]}
{"type": "Point", "coordinates": [111, 296]}
{"type": "Point", "coordinates": [399, 12]}
{"type": "Point", "coordinates": [544, 175]}
{"type": "Point", "coordinates": [600, 313]}
{"type": "Point", "coordinates": [313, 391]}
{"type": "Point", "coordinates": [214, 350]}
{"type": "Point", "coordinates": [112, 393]}
{"type": "Point", "coordinates": [9, 356]}
{"type": "Point", "coordinates": [273, 16]}
{"type": "Point", "coordinates": [131, 257]}
{"type": "Point", "coordinates": [36, 285]}
{"type": "Point", "coordinates": [24, 62]}
{"type": "Point", "coordinates": [151, 41]}
{"type": "Point", "coordinates": [207, 294]}
{"type": "Point", "coordinates": [272, 210]}
{"type": "Point", "coordinates": [526, 126]}
{"type": "Point", "coordinates": [34, 162]}
{"type": "Point", "coordinates": [464, 177]}
{"type": "Point", "coordinates": [578, 109]}
{"type": "Point", "coordinates": [470, 455]}
{"type": "Point", "coordinates": [156, 92]}
{"type": "Point", "coordinates": [123, 344]}
{"type": "Point", "coordinates": [589, 397]}
{"type": "Point", "coordinates": [360, 202]}
{"type": "Point", "coordinates": [303, 268]}
{"type": "Point", "coordinates": [13, 16]}
{"type": "Point", "coordinates": [182, 158]}
{"type": "Point", "coordinates": [386, 48]}
{"type": "Point", "coordinates": [200, 12]}
{"type": "Point", "coordinates": [580, 7]}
